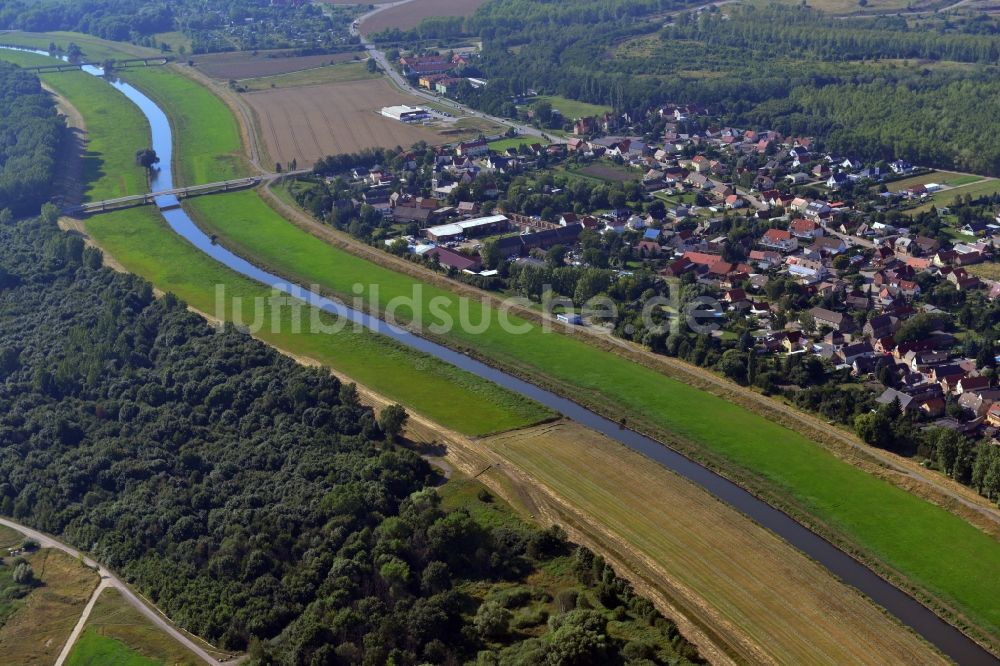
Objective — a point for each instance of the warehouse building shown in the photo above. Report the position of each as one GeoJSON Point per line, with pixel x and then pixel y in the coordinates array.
{"type": "Point", "coordinates": [406, 114]}
{"type": "Point", "coordinates": [475, 227]}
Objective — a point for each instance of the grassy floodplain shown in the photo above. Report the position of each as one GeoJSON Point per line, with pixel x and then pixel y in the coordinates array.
{"type": "Point", "coordinates": [928, 545]}
{"type": "Point", "coordinates": [94, 49]}
{"type": "Point", "coordinates": [669, 525]}
{"type": "Point", "coordinates": [205, 132]}
{"type": "Point", "coordinates": [142, 242]}
{"type": "Point", "coordinates": [116, 129]}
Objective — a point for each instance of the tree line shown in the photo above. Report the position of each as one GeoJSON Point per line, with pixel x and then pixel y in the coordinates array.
{"type": "Point", "coordinates": [30, 136]}
{"type": "Point", "coordinates": [256, 501]}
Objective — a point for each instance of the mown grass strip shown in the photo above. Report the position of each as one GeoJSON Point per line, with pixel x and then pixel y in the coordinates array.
{"type": "Point", "coordinates": [932, 547]}
{"type": "Point", "coordinates": [93, 649]}
{"type": "Point", "coordinates": [207, 141]}
{"type": "Point", "coordinates": [145, 245]}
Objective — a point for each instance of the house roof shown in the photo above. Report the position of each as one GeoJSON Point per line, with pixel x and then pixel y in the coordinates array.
{"type": "Point", "coordinates": [777, 235]}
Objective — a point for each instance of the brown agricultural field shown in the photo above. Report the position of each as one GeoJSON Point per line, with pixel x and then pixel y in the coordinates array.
{"type": "Point", "coordinates": [756, 597]}
{"type": "Point", "coordinates": [244, 65]}
{"type": "Point", "coordinates": [314, 121]}
{"type": "Point", "coordinates": [408, 15]}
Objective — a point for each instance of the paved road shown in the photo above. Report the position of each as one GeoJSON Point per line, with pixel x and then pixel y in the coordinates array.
{"type": "Point", "coordinates": [109, 579]}
{"type": "Point", "coordinates": [918, 12]}
{"type": "Point", "coordinates": [400, 81]}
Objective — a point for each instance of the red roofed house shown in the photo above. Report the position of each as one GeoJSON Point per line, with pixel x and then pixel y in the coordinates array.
{"type": "Point", "coordinates": [808, 229]}
{"type": "Point", "coordinates": [451, 259]}
{"type": "Point", "coordinates": [779, 239]}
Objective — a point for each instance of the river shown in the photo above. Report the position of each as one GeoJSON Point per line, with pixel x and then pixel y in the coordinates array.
{"type": "Point", "coordinates": [909, 611]}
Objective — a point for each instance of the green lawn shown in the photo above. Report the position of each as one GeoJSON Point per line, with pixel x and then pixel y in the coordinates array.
{"type": "Point", "coordinates": [207, 142]}
{"type": "Point", "coordinates": [931, 546]}
{"type": "Point", "coordinates": [93, 649]}
{"type": "Point", "coordinates": [117, 633]}
{"type": "Point", "coordinates": [571, 108]}
{"type": "Point", "coordinates": [515, 142]}
{"type": "Point", "coordinates": [115, 129]}
{"type": "Point", "coordinates": [939, 177]}
{"type": "Point", "coordinates": [978, 188]}
{"type": "Point", "coordinates": [339, 73]}
{"type": "Point", "coordinates": [145, 245]}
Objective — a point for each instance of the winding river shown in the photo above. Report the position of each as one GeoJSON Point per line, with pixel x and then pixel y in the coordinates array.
{"type": "Point", "coordinates": [910, 612]}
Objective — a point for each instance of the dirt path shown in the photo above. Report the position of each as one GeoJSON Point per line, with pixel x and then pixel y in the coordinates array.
{"type": "Point", "coordinates": [900, 471]}
{"type": "Point", "coordinates": [78, 629]}
{"type": "Point", "coordinates": [109, 579]}
{"type": "Point", "coordinates": [69, 171]}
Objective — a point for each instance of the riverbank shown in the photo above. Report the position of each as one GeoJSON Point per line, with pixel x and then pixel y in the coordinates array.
{"type": "Point", "coordinates": [149, 236]}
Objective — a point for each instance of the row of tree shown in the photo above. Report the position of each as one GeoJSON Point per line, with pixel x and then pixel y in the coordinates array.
{"type": "Point", "coordinates": [30, 136]}
{"type": "Point", "coordinates": [256, 501]}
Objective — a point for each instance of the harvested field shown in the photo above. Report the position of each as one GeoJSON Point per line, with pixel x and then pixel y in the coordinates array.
{"type": "Point", "coordinates": [315, 121]}
{"type": "Point", "coordinates": [410, 14]}
{"type": "Point", "coordinates": [765, 601]}
{"type": "Point", "coordinates": [39, 628]}
{"type": "Point", "coordinates": [340, 73]}
{"type": "Point", "coordinates": [244, 65]}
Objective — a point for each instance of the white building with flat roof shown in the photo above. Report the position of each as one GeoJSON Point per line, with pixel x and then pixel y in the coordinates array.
{"type": "Point", "coordinates": [473, 227]}
{"type": "Point", "coordinates": [405, 114]}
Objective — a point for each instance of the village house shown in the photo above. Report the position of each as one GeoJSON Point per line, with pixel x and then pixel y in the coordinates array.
{"type": "Point", "coordinates": [779, 239]}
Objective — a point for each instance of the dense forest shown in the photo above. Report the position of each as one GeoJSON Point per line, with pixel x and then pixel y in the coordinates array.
{"type": "Point", "coordinates": [257, 502]}
{"type": "Point", "coordinates": [30, 134]}
{"type": "Point", "coordinates": [219, 25]}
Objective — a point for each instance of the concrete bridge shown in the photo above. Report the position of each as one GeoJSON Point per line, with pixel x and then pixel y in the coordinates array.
{"type": "Point", "coordinates": [108, 205]}
{"type": "Point", "coordinates": [119, 64]}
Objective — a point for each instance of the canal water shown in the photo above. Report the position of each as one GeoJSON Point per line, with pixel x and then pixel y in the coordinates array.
{"type": "Point", "coordinates": [910, 612]}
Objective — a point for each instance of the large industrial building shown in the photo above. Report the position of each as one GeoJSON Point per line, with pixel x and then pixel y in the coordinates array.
{"type": "Point", "coordinates": [475, 227]}
{"type": "Point", "coordinates": [406, 114]}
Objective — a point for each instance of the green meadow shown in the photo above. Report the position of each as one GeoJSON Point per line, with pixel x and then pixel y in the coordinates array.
{"type": "Point", "coordinates": [931, 547]}
{"type": "Point", "coordinates": [515, 142]}
{"type": "Point", "coordinates": [143, 243]}
{"type": "Point", "coordinates": [94, 49]}
{"type": "Point", "coordinates": [93, 649]}
{"type": "Point", "coordinates": [342, 72]}
{"type": "Point", "coordinates": [115, 129]}
{"type": "Point", "coordinates": [927, 544]}
{"type": "Point", "coordinates": [571, 108]}
{"type": "Point", "coordinates": [207, 144]}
